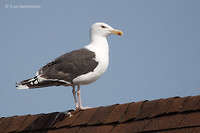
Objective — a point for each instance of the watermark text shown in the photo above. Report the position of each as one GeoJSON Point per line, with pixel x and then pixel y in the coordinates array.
{"type": "Point", "coordinates": [21, 6]}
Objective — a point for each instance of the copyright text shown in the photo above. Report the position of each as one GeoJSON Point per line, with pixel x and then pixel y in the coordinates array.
{"type": "Point", "coordinates": [22, 6]}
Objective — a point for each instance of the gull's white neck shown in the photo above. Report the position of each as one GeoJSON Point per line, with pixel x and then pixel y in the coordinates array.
{"type": "Point", "coordinates": [98, 44]}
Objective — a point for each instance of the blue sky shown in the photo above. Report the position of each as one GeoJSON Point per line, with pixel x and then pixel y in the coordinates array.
{"type": "Point", "coordinates": [158, 56]}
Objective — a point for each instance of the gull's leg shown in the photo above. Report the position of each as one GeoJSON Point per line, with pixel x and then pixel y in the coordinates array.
{"type": "Point", "coordinates": [79, 99]}
{"type": "Point", "coordinates": [74, 94]}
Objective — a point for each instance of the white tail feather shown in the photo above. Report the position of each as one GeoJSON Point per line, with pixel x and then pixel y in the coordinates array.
{"type": "Point", "coordinates": [22, 87]}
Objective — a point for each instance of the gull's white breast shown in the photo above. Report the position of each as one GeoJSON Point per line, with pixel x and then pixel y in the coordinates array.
{"type": "Point", "coordinates": [102, 57]}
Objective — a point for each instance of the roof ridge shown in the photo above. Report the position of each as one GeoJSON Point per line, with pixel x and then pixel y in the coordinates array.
{"type": "Point", "coordinates": [147, 113]}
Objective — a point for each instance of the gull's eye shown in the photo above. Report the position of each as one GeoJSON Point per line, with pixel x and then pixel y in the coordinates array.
{"type": "Point", "coordinates": [103, 26]}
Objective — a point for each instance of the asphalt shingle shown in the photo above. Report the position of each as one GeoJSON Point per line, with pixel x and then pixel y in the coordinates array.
{"type": "Point", "coordinates": [171, 115]}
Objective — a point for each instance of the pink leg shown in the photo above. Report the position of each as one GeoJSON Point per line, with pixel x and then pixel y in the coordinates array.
{"type": "Point", "coordinates": [79, 100]}
{"type": "Point", "coordinates": [74, 94]}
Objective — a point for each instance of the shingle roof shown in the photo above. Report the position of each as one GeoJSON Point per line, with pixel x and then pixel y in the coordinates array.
{"type": "Point", "coordinates": [169, 115]}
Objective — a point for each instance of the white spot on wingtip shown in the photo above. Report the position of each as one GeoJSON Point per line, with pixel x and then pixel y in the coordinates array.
{"type": "Point", "coordinates": [31, 83]}
{"type": "Point", "coordinates": [35, 82]}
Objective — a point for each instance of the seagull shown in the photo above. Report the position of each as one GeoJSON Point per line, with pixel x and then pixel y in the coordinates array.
{"type": "Point", "coordinates": [76, 68]}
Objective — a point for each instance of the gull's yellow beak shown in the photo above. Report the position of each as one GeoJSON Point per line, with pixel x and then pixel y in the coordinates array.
{"type": "Point", "coordinates": [117, 32]}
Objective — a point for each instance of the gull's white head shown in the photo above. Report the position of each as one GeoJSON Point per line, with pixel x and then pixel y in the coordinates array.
{"type": "Point", "coordinates": [102, 29]}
